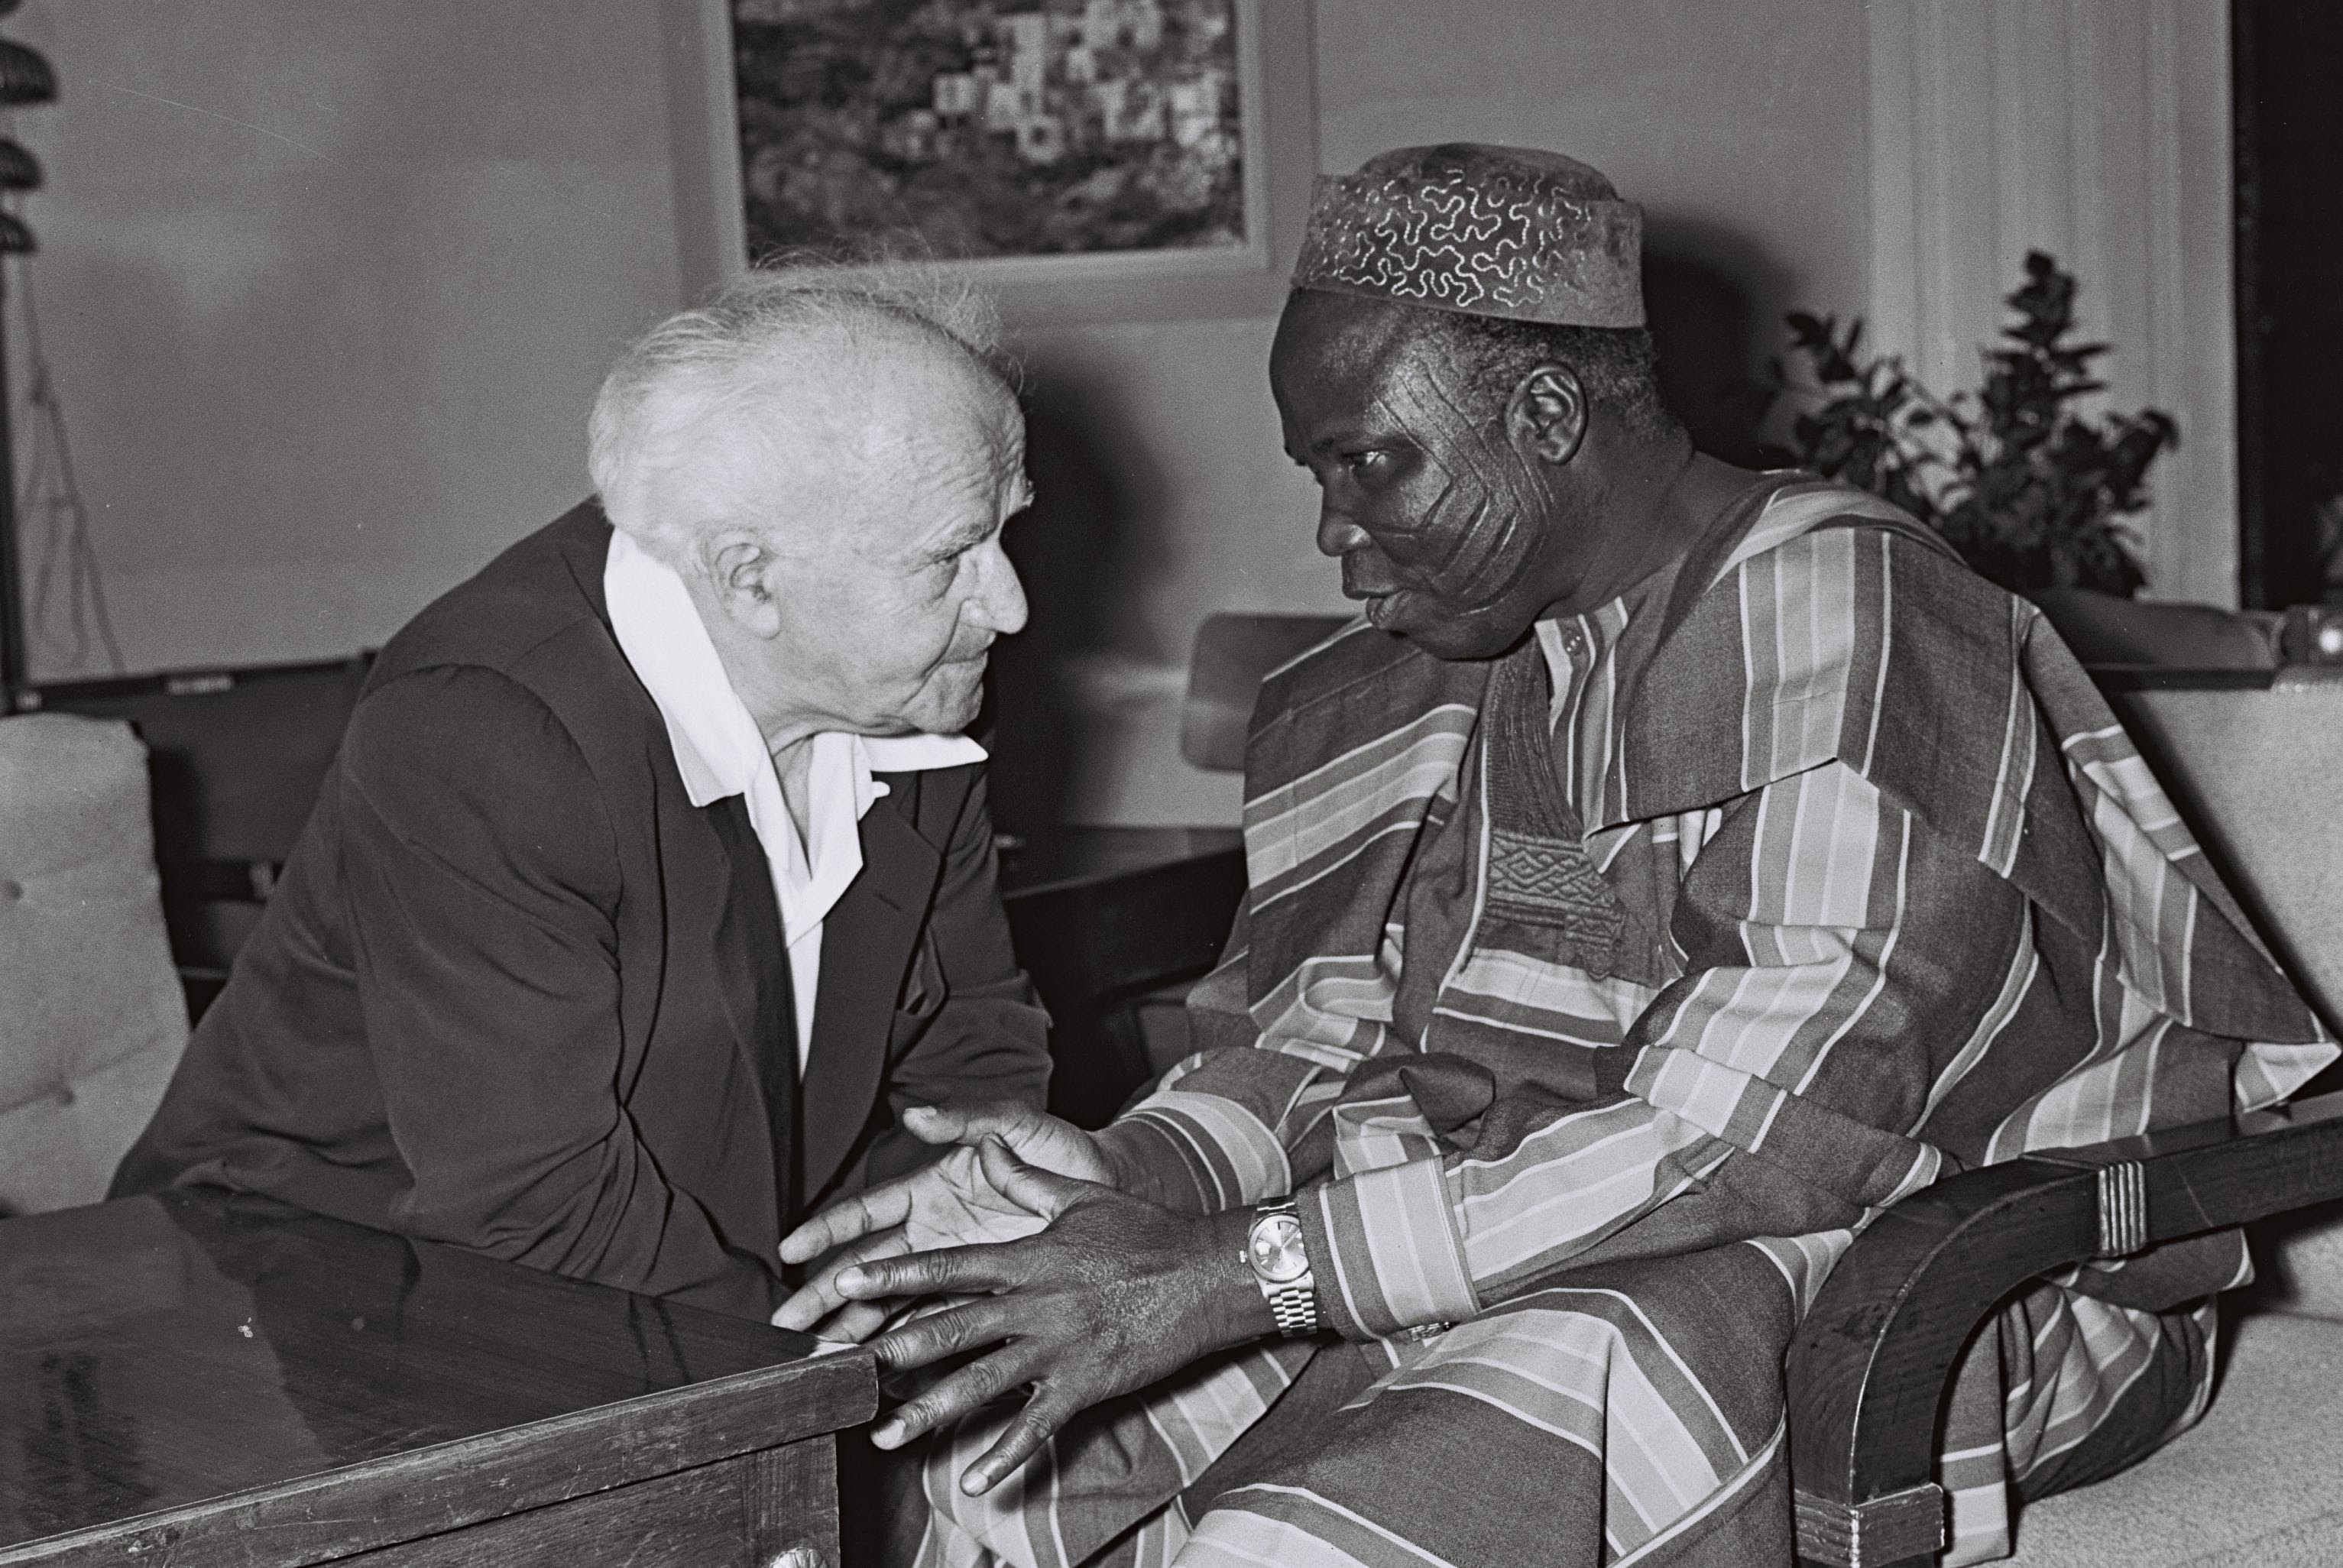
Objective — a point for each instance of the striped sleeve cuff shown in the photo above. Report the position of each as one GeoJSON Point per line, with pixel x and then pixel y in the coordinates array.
{"type": "Point", "coordinates": [1199, 1152]}
{"type": "Point", "coordinates": [1384, 1251]}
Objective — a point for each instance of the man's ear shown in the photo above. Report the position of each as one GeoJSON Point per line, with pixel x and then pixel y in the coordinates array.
{"type": "Point", "coordinates": [1546, 415]}
{"type": "Point", "coordinates": [740, 568]}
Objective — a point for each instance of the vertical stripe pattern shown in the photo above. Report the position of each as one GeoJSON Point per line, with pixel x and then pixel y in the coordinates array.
{"type": "Point", "coordinates": [1822, 872]}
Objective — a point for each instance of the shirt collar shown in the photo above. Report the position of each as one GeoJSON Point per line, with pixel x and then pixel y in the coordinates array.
{"type": "Point", "coordinates": [718, 748]}
{"type": "Point", "coordinates": [1574, 644]}
{"type": "Point", "coordinates": [719, 751]}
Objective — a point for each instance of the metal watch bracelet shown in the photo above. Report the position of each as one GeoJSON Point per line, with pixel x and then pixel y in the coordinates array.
{"type": "Point", "coordinates": [1280, 1268]}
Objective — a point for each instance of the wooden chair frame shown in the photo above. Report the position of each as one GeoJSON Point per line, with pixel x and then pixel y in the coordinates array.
{"type": "Point", "coordinates": [1869, 1364]}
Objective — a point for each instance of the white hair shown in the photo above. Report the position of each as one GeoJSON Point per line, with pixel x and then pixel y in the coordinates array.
{"type": "Point", "coordinates": [763, 335]}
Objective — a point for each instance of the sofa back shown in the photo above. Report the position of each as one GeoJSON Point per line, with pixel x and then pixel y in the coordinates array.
{"type": "Point", "coordinates": [91, 1020]}
{"type": "Point", "coordinates": [2258, 771]}
{"type": "Point", "coordinates": [236, 758]}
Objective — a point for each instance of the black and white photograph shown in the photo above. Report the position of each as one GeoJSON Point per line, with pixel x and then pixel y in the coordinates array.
{"type": "Point", "coordinates": [1171, 783]}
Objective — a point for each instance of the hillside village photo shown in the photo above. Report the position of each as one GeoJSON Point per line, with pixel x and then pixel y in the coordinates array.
{"type": "Point", "coordinates": [971, 128]}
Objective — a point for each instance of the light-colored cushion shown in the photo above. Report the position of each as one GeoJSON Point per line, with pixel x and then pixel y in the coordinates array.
{"type": "Point", "coordinates": [2298, 1263]}
{"type": "Point", "coordinates": [91, 1015]}
{"type": "Point", "coordinates": [2255, 1483]}
{"type": "Point", "coordinates": [2260, 775]}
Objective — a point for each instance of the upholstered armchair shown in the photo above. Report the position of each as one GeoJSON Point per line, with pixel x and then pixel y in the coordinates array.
{"type": "Point", "coordinates": [92, 1016]}
{"type": "Point", "coordinates": [2255, 761]}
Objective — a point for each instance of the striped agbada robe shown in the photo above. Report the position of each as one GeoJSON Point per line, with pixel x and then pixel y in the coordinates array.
{"type": "Point", "coordinates": [1593, 1000]}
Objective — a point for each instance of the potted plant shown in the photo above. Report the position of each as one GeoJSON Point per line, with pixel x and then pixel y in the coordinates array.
{"type": "Point", "coordinates": [2031, 492]}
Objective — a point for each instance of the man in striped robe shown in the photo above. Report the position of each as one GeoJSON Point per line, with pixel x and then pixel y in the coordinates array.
{"type": "Point", "coordinates": [1676, 867]}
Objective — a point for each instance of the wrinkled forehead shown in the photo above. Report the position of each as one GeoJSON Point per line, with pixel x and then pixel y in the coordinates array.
{"type": "Point", "coordinates": [869, 403]}
{"type": "Point", "coordinates": [856, 435]}
{"type": "Point", "coordinates": [919, 436]}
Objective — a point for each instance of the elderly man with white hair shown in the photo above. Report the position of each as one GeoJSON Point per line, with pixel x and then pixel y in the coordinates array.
{"type": "Point", "coordinates": [652, 896]}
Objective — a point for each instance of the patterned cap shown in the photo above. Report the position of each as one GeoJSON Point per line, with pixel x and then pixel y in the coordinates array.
{"type": "Point", "coordinates": [1487, 230]}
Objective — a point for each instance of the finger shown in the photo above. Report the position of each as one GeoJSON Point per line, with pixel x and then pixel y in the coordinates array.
{"type": "Point", "coordinates": [967, 1270]}
{"type": "Point", "coordinates": [852, 1323]}
{"type": "Point", "coordinates": [890, 1204]}
{"type": "Point", "coordinates": [799, 1557]}
{"type": "Point", "coordinates": [819, 1296]}
{"type": "Point", "coordinates": [971, 1387]}
{"type": "Point", "coordinates": [1049, 1409]}
{"type": "Point", "coordinates": [1030, 1188]}
{"type": "Point", "coordinates": [967, 1123]}
{"type": "Point", "coordinates": [932, 1337]}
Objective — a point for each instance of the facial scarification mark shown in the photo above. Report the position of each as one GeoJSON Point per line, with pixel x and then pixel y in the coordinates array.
{"type": "Point", "coordinates": [1491, 242]}
{"type": "Point", "coordinates": [1471, 540]}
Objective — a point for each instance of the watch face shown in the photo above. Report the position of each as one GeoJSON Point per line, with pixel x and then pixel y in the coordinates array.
{"type": "Point", "coordinates": [1275, 1249]}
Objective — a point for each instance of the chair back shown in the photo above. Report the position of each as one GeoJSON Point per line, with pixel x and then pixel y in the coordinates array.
{"type": "Point", "coordinates": [1231, 655]}
{"type": "Point", "coordinates": [237, 758]}
{"type": "Point", "coordinates": [91, 1020]}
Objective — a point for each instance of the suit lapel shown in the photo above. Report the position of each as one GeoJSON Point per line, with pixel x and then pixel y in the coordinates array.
{"type": "Point", "coordinates": [753, 979]}
{"type": "Point", "coordinates": [866, 946]}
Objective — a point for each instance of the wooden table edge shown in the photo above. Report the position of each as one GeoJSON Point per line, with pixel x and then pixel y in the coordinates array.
{"type": "Point", "coordinates": [848, 1376]}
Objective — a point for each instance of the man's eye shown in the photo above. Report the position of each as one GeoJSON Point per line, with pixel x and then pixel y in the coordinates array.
{"type": "Point", "coordinates": [1365, 462]}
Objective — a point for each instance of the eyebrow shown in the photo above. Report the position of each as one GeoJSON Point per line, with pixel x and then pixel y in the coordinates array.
{"type": "Point", "coordinates": [959, 539]}
{"type": "Point", "coordinates": [1345, 432]}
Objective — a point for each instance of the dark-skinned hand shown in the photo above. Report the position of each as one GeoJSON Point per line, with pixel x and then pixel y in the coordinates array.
{"type": "Point", "coordinates": [1112, 1295]}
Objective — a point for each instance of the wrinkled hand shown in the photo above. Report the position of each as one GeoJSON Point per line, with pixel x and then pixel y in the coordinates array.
{"type": "Point", "coordinates": [948, 1204]}
{"type": "Point", "coordinates": [1115, 1293]}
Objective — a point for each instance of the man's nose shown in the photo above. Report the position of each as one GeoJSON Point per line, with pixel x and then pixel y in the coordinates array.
{"type": "Point", "coordinates": [1001, 598]}
{"type": "Point", "coordinates": [1338, 536]}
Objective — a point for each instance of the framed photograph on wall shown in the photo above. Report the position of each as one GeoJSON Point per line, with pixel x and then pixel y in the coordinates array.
{"type": "Point", "coordinates": [1083, 158]}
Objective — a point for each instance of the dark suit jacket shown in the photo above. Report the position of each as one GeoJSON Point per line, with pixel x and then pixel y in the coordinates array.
{"type": "Point", "coordinates": [510, 991]}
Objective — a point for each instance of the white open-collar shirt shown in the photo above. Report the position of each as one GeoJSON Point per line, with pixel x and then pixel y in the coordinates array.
{"type": "Point", "coordinates": [720, 752]}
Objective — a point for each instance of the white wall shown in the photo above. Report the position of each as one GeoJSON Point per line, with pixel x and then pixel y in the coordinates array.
{"type": "Point", "coordinates": [328, 287]}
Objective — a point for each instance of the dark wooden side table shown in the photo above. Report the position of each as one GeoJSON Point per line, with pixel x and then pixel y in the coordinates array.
{"type": "Point", "coordinates": [206, 1382]}
{"type": "Point", "coordinates": [1102, 915]}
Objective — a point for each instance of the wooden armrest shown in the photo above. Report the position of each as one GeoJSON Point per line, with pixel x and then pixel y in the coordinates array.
{"type": "Point", "coordinates": [1868, 1365]}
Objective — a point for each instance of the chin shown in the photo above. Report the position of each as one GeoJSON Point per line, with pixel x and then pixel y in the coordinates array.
{"type": "Point", "coordinates": [947, 707]}
{"type": "Point", "coordinates": [1447, 631]}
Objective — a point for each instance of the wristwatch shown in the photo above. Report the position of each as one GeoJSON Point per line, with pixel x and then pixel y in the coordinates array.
{"type": "Point", "coordinates": [1281, 1267]}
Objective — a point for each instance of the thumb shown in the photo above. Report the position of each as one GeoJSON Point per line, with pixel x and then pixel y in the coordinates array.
{"type": "Point", "coordinates": [933, 1124]}
{"type": "Point", "coordinates": [1037, 1191]}
{"type": "Point", "coordinates": [964, 1123]}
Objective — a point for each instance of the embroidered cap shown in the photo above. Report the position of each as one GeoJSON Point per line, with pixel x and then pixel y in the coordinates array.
{"type": "Point", "coordinates": [1487, 230]}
